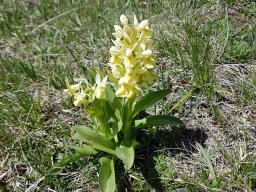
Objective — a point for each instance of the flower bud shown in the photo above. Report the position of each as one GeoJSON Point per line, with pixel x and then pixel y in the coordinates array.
{"type": "Point", "coordinates": [124, 20]}
{"type": "Point", "coordinates": [118, 28]}
{"type": "Point", "coordinates": [143, 25]}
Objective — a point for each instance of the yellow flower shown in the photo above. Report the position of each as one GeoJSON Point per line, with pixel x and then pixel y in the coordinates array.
{"type": "Point", "coordinates": [142, 25]}
{"type": "Point", "coordinates": [126, 90]}
{"type": "Point", "coordinates": [129, 62]}
{"type": "Point", "coordinates": [148, 77]}
{"type": "Point", "coordinates": [125, 79]}
{"type": "Point", "coordinates": [84, 93]}
{"type": "Point", "coordinates": [115, 59]}
{"type": "Point", "coordinates": [100, 87]}
{"type": "Point", "coordinates": [132, 59]}
{"type": "Point", "coordinates": [71, 89]}
{"type": "Point", "coordinates": [79, 98]}
{"type": "Point", "coordinates": [99, 92]}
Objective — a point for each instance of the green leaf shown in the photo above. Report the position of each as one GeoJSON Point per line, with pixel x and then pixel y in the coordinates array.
{"type": "Point", "coordinates": [119, 120]}
{"type": "Point", "coordinates": [104, 148]}
{"type": "Point", "coordinates": [110, 95]}
{"type": "Point", "coordinates": [100, 142]}
{"type": "Point", "coordinates": [126, 154]}
{"type": "Point", "coordinates": [150, 99]}
{"type": "Point", "coordinates": [180, 101]}
{"type": "Point", "coordinates": [94, 111]}
{"type": "Point", "coordinates": [91, 74]}
{"type": "Point", "coordinates": [111, 77]}
{"type": "Point", "coordinates": [85, 150]}
{"type": "Point", "coordinates": [113, 117]}
{"type": "Point", "coordinates": [158, 120]}
{"type": "Point", "coordinates": [107, 175]}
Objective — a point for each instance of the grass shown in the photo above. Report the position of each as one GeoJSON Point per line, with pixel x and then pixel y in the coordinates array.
{"type": "Point", "coordinates": [206, 53]}
{"type": "Point", "coordinates": [246, 89]}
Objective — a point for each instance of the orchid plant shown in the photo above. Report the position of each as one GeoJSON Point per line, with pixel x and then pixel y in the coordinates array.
{"type": "Point", "coordinates": [113, 101]}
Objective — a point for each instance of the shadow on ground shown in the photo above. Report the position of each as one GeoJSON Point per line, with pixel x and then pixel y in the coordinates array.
{"type": "Point", "coordinates": [172, 141]}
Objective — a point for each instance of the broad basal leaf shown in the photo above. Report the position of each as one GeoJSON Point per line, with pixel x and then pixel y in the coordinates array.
{"type": "Point", "coordinates": [86, 134]}
{"type": "Point", "coordinates": [158, 120]}
{"type": "Point", "coordinates": [107, 175]}
{"type": "Point", "coordinates": [126, 154]}
{"type": "Point", "coordinates": [103, 148]}
{"type": "Point", "coordinates": [85, 150]}
{"type": "Point", "coordinates": [150, 99]}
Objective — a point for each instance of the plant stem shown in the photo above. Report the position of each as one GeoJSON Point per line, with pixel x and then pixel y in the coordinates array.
{"type": "Point", "coordinates": [127, 119]}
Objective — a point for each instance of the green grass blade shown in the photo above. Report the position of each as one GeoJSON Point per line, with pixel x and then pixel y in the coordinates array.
{"type": "Point", "coordinates": [207, 160]}
{"type": "Point", "coordinates": [158, 120]}
{"type": "Point", "coordinates": [180, 101]}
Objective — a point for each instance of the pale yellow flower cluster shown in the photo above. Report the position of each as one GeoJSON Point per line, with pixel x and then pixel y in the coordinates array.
{"type": "Point", "coordinates": [132, 62]}
{"type": "Point", "coordinates": [84, 93]}
{"type": "Point", "coordinates": [132, 59]}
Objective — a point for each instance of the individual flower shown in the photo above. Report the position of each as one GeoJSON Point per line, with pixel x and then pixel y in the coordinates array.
{"type": "Point", "coordinates": [71, 89]}
{"type": "Point", "coordinates": [100, 86]}
{"type": "Point", "coordinates": [128, 85]}
{"type": "Point", "coordinates": [132, 59]}
{"type": "Point", "coordinates": [80, 98]}
{"type": "Point", "coordinates": [82, 92]}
